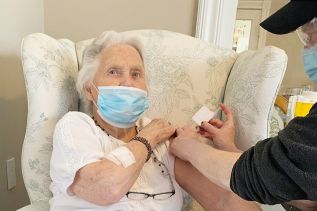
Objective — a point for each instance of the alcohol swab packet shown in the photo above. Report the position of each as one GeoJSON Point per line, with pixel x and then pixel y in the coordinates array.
{"type": "Point", "coordinates": [204, 115]}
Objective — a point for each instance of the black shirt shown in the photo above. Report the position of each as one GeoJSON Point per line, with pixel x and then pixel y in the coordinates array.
{"type": "Point", "coordinates": [281, 168]}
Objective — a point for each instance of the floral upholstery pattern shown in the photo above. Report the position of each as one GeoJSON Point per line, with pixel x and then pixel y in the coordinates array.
{"type": "Point", "coordinates": [185, 73]}
{"type": "Point", "coordinates": [50, 70]}
{"type": "Point", "coordinates": [276, 121]}
{"type": "Point", "coordinates": [251, 91]}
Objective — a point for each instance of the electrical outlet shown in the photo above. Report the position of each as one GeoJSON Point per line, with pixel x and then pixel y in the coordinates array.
{"type": "Point", "coordinates": [11, 175]}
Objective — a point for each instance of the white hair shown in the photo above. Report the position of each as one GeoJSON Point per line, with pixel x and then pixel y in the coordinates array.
{"type": "Point", "coordinates": [91, 59]}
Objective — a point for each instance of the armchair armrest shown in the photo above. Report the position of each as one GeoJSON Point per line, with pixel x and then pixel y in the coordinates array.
{"type": "Point", "coordinates": [251, 90]}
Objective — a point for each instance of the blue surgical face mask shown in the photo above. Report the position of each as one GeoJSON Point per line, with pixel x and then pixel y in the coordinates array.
{"type": "Point", "coordinates": [310, 62]}
{"type": "Point", "coordinates": [121, 106]}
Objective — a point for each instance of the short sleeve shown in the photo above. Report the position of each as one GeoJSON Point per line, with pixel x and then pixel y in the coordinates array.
{"type": "Point", "coordinates": [76, 143]}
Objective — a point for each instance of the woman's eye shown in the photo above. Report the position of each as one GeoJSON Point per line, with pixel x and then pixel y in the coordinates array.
{"type": "Point", "coordinates": [136, 74]}
{"type": "Point", "coordinates": [113, 71]}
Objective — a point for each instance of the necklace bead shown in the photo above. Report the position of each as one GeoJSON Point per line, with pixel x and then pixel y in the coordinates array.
{"type": "Point", "coordinates": [99, 125]}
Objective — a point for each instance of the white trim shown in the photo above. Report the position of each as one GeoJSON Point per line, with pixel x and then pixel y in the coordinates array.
{"type": "Point", "coordinates": [250, 5]}
{"type": "Point", "coordinates": [205, 21]}
{"type": "Point", "coordinates": [265, 13]}
{"type": "Point", "coordinates": [265, 6]}
{"type": "Point", "coordinates": [216, 21]}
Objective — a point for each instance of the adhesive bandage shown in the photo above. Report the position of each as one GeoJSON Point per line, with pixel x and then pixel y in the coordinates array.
{"type": "Point", "coordinates": [121, 156]}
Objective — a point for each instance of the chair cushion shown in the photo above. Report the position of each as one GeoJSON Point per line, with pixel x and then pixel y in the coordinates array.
{"type": "Point", "coordinates": [251, 91]}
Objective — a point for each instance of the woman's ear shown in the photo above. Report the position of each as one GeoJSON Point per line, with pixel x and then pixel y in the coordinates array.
{"type": "Point", "coordinates": [88, 92]}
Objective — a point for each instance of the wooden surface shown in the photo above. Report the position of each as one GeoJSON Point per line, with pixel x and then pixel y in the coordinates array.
{"type": "Point", "coordinates": [282, 102]}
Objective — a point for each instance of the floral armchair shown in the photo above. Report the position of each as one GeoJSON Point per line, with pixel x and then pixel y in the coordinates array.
{"type": "Point", "coordinates": [185, 73]}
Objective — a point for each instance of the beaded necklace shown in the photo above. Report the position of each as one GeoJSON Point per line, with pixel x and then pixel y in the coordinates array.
{"type": "Point", "coordinates": [99, 126]}
{"type": "Point", "coordinates": [137, 130]}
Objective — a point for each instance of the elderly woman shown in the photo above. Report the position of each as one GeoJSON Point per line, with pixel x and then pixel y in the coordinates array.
{"type": "Point", "coordinates": [115, 159]}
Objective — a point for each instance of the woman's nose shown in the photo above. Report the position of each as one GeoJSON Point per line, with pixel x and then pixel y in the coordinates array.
{"type": "Point", "coordinates": [126, 81]}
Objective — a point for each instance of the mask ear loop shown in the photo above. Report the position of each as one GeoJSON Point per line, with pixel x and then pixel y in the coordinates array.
{"type": "Point", "coordinates": [302, 36]}
{"type": "Point", "coordinates": [95, 104]}
{"type": "Point", "coordinates": [93, 101]}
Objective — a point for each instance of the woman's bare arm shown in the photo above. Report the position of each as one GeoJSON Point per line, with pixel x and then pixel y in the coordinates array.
{"type": "Point", "coordinates": [104, 182]}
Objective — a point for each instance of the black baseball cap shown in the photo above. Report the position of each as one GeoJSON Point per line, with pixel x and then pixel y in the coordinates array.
{"type": "Point", "coordinates": [293, 15]}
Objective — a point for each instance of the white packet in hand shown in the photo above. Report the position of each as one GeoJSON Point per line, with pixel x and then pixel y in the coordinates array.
{"type": "Point", "coordinates": [204, 115]}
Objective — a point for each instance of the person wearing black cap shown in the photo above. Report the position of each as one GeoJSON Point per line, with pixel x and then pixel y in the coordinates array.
{"type": "Point", "coordinates": [276, 170]}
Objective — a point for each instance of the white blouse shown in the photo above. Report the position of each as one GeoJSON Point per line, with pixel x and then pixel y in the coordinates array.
{"type": "Point", "coordinates": [77, 142]}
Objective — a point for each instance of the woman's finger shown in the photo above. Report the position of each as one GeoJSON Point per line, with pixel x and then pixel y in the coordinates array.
{"type": "Point", "coordinates": [216, 122]}
{"type": "Point", "coordinates": [209, 128]}
{"type": "Point", "coordinates": [179, 131]}
{"type": "Point", "coordinates": [205, 135]}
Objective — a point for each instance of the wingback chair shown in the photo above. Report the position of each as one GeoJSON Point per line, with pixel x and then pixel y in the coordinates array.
{"type": "Point", "coordinates": [185, 73]}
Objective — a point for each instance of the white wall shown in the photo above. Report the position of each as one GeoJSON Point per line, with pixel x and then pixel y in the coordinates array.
{"type": "Point", "coordinates": [17, 19]}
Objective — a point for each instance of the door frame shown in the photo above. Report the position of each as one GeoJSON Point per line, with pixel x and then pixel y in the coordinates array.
{"type": "Point", "coordinates": [216, 20]}
{"type": "Point", "coordinates": [265, 6]}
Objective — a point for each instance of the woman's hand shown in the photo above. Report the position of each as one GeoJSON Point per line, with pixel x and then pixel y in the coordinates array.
{"type": "Point", "coordinates": [156, 131]}
{"type": "Point", "coordinates": [222, 133]}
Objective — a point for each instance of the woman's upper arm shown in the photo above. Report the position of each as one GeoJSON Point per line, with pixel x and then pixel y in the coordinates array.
{"type": "Point", "coordinates": [74, 146]}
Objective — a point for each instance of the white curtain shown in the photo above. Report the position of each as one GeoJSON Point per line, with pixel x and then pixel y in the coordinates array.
{"type": "Point", "coordinates": [216, 21]}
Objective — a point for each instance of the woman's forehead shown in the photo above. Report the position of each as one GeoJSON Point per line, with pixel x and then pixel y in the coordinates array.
{"type": "Point", "coordinates": [120, 50]}
{"type": "Point", "coordinates": [120, 55]}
